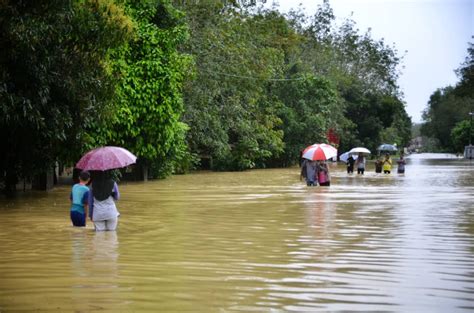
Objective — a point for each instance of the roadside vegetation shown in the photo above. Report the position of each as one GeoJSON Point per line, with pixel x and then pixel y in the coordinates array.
{"type": "Point", "coordinates": [447, 123]}
{"type": "Point", "coordinates": [221, 85]}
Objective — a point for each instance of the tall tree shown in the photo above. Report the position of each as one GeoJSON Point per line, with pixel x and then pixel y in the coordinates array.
{"type": "Point", "coordinates": [149, 94]}
{"type": "Point", "coordinates": [365, 72]}
{"type": "Point", "coordinates": [231, 115]}
{"type": "Point", "coordinates": [289, 79]}
{"type": "Point", "coordinates": [465, 87]}
{"type": "Point", "coordinates": [310, 108]}
{"type": "Point", "coordinates": [448, 107]}
{"type": "Point", "coordinates": [55, 78]}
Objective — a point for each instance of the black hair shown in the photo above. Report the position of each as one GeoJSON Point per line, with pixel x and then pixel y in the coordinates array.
{"type": "Point", "coordinates": [84, 176]}
{"type": "Point", "coordinates": [102, 185]}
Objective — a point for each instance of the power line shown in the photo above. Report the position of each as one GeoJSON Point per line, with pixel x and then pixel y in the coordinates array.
{"type": "Point", "coordinates": [253, 78]}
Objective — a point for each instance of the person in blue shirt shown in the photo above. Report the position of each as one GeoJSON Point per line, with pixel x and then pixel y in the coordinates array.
{"type": "Point", "coordinates": [80, 200]}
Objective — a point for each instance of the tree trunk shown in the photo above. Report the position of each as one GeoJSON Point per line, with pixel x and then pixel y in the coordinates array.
{"type": "Point", "coordinates": [145, 172]}
{"type": "Point", "coordinates": [44, 181]}
{"type": "Point", "coordinates": [10, 182]}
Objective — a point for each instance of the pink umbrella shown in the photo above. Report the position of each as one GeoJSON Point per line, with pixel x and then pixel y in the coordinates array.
{"type": "Point", "coordinates": [106, 158]}
{"type": "Point", "coordinates": [319, 151]}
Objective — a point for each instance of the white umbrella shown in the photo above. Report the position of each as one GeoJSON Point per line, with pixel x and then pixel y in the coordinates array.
{"type": "Point", "coordinates": [359, 150]}
{"type": "Point", "coordinates": [343, 157]}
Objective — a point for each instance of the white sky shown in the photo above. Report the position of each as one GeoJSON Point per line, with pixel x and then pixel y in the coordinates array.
{"type": "Point", "coordinates": [435, 34]}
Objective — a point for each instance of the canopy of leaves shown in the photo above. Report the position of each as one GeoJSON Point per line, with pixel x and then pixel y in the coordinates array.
{"type": "Point", "coordinates": [303, 75]}
{"type": "Point", "coordinates": [230, 110]}
{"type": "Point", "coordinates": [461, 134]}
{"type": "Point", "coordinates": [228, 82]}
{"type": "Point", "coordinates": [448, 107]}
{"type": "Point", "coordinates": [149, 102]}
{"type": "Point", "coordinates": [365, 72]}
{"type": "Point", "coordinates": [55, 78]}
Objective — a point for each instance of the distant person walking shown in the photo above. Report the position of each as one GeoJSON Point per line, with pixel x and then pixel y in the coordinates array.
{"type": "Point", "coordinates": [378, 165]}
{"type": "Point", "coordinates": [350, 164]}
{"type": "Point", "coordinates": [401, 165]}
{"type": "Point", "coordinates": [387, 164]}
{"type": "Point", "coordinates": [360, 163]}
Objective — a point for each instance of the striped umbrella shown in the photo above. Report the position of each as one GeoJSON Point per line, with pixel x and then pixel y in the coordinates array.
{"type": "Point", "coordinates": [319, 152]}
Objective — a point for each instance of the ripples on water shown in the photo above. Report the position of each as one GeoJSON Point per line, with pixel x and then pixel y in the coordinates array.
{"type": "Point", "coordinates": [253, 241]}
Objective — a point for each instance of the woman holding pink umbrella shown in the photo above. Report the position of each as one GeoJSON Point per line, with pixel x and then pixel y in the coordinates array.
{"type": "Point", "coordinates": [103, 194]}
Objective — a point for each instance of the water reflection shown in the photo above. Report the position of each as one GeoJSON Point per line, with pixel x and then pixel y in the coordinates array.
{"type": "Point", "coordinates": [94, 258]}
{"type": "Point", "coordinates": [79, 252]}
{"type": "Point", "coordinates": [253, 241]}
{"type": "Point", "coordinates": [347, 243]}
{"type": "Point", "coordinates": [320, 214]}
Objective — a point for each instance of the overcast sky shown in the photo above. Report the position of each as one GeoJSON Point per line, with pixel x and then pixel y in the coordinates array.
{"type": "Point", "coordinates": [435, 34]}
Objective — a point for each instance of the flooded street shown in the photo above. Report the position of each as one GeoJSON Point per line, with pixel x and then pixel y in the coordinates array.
{"type": "Point", "coordinates": [252, 241]}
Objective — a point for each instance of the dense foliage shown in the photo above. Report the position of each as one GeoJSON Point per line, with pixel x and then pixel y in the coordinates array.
{"type": "Point", "coordinates": [55, 78]}
{"type": "Point", "coordinates": [225, 85]}
{"type": "Point", "coordinates": [228, 106]}
{"type": "Point", "coordinates": [267, 85]}
{"type": "Point", "coordinates": [149, 102]}
{"type": "Point", "coordinates": [365, 73]}
{"type": "Point", "coordinates": [447, 119]}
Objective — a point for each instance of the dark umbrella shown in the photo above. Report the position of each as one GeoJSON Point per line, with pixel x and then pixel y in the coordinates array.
{"type": "Point", "coordinates": [387, 147]}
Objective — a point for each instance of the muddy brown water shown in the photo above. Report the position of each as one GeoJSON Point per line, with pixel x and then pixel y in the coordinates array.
{"type": "Point", "coordinates": [253, 241]}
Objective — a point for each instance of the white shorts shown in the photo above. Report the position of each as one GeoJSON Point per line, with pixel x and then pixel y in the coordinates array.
{"type": "Point", "coordinates": [110, 224]}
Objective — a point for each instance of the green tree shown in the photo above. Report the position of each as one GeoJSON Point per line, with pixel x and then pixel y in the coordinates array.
{"type": "Point", "coordinates": [55, 79]}
{"type": "Point", "coordinates": [231, 114]}
{"type": "Point", "coordinates": [310, 108]}
{"type": "Point", "coordinates": [449, 106]}
{"type": "Point", "coordinates": [296, 77]}
{"type": "Point", "coordinates": [149, 93]}
{"type": "Point", "coordinates": [445, 110]}
{"type": "Point", "coordinates": [465, 87]}
{"type": "Point", "coordinates": [460, 135]}
{"type": "Point", "coordinates": [365, 72]}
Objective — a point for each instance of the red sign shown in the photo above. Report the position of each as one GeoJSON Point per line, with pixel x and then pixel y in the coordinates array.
{"type": "Point", "coordinates": [332, 137]}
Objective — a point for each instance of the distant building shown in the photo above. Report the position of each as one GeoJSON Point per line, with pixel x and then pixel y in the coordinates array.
{"type": "Point", "coordinates": [416, 144]}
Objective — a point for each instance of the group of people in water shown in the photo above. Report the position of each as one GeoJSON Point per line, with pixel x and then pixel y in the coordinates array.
{"type": "Point", "coordinates": [317, 172]}
{"type": "Point", "coordinates": [381, 164]}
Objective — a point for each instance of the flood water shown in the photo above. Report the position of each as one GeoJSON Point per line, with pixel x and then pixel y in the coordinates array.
{"type": "Point", "coordinates": [254, 241]}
